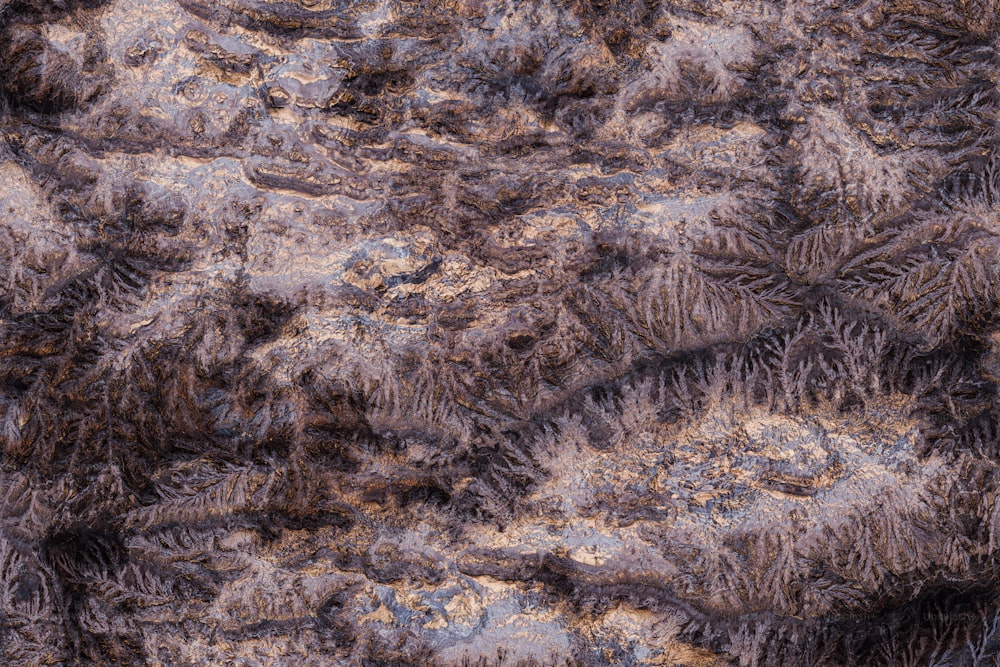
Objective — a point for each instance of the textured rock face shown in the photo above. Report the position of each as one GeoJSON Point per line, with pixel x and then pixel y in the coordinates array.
{"type": "Point", "coordinates": [475, 333]}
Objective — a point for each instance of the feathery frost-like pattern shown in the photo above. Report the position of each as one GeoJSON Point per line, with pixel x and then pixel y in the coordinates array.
{"type": "Point", "coordinates": [499, 332]}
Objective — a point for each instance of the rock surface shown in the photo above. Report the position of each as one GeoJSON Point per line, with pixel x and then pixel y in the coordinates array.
{"type": "Point", "coordinates": [484, 332]}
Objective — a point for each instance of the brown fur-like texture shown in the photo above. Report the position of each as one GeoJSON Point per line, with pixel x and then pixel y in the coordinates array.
{"type": "Point", "coordinates": [499, 332]}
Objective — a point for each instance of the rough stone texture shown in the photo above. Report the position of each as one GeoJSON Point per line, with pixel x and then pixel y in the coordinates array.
{"type": "Point", "coordinates": [486, 333]}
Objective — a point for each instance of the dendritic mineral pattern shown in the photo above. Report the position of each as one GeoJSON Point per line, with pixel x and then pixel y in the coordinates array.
{"type": "Point", "coordinates": [499, 333]}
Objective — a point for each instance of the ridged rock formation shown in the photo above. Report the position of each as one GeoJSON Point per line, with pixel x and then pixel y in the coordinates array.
{"type": "Point", "coordinates": [499, 332]}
